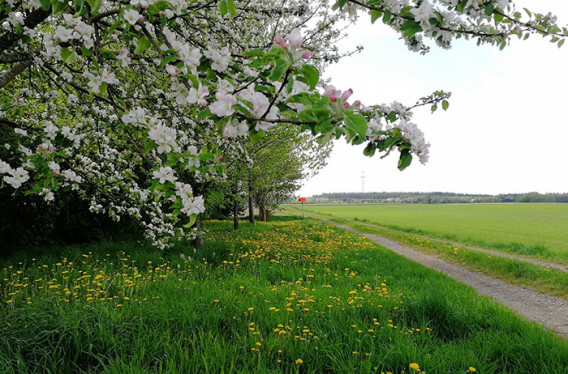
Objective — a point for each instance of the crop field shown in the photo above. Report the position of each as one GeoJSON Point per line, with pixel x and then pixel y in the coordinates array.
{"type": "Point", "coordinates": [294, 296]}
{"type": "Point", "coordinates": [539, 230]}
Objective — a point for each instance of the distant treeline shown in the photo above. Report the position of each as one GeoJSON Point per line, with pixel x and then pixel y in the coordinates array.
{"type": "Point", "coordinates": [435, 198]}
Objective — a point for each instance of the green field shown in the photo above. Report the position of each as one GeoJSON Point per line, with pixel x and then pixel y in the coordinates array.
{"type": "Point", "coordinates": [539, 230]}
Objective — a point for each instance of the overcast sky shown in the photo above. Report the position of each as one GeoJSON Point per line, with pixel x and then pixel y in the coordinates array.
{"type": "Point", "coordinates": [506, 129]}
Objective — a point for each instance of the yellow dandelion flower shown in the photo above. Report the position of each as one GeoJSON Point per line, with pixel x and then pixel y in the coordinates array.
{"type": "Point", "coordinates": [299, 361]}
{"type": "Point", "coordinates": [471, 369]}
{"type": "Point", "coordinates": [414, 366]}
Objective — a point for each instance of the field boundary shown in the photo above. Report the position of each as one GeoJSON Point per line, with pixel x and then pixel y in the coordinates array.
{"type": "Point", "coordinates": [471, 247]}
{"type": "Point", "coordinates": [549, 311]}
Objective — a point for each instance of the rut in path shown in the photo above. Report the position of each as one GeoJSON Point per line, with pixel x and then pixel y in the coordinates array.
{"type": "Point", "coordinates": [549, 311]}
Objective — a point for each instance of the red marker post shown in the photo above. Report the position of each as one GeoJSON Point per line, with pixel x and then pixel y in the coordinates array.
{"type": "Point", "coordinates": [302, 199]}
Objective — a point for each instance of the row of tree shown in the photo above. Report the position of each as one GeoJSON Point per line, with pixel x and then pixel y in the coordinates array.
{"type": "Point", "coordinates": [259, 176]}
{"type": "Point", "coordinates": [434, 198]}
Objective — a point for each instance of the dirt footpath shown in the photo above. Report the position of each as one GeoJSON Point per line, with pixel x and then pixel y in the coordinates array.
{"type": "Point", "coordinates": [549, 311]}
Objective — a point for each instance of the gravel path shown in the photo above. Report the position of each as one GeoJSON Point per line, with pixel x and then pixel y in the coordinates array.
{"type": "Point", "coordinates": [488, 251]}
{"type": "Point", "coordinates": [549, 311]}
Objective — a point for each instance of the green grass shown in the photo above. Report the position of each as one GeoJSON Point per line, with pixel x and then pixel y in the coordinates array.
{"type": "Point", "coordinates": [546, 280]}
{"type": "Point", "coordinates": [536, 230]}
{"type": "Point", "coordinates": [257, 300]}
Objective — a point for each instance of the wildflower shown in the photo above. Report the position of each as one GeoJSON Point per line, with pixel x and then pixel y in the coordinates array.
{"type": "Point", "coordinates": [414, 366]}
{"type": "Point", "coordinates": [299, 361]}
{"type": "Point", "coordinates": [471, 369]}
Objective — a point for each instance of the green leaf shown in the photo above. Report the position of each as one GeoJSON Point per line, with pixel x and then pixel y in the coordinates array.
{"type": "Point", "coordinates": [445, 104]}
{"type": "Point", "coordinates": [45, 4]}
{"type": "Point", "coordinates": [375, 15]}
{"type": "Point", "coordinates": [192, 220]}
{"type": "Point", "coordinates": [404, 160]}
{"type": "Point", "coordinates": [390, 141]}
{"type": "Point", "coordinates": [324, 138]}
{"type": "Point", "coordinates": [410, 28]}
{"type": "Point", "coordinates": [324, 125]}
{"type": "Point", "coordinates": [339, 4]}
{"type": "Point", "coordinates": [206, 113]}
{"type": "Point", "coordinates": [254, 53]}
{"type": "Point", "coordinates": [311, 74]}
{"type": "Point", "coordinates": [142, 45]}
{"type": "Point", "coordinates": [95, 5]}
{"type": "Point", "coordinates": [223, 9]}
{"type": "Point", "coordinates": [103, 88]}
{"type": "Point", "coordinates": [65, 54]}
{"type": "Point", "coordinates": [561, 42]}
{"type": "Point", "coordinates": [167, 60]}
{"type": "Point", "coordinates": [260, 88]}
{"type": "Point", "coordinates": [57, 6]}
{"type": "Point", "coordinates": [489, 9]}
{"type": "Point", "coordinates": [158, 6]}
{"type": "Point", "coordinates": [461, 6]}
{"type": "Point", "coordinates": [279, 69]}
{"type": "Point", "coordinates": [107, 54]}
{"type": "Point", "coordinates": [232, 8]}
{"type": "Point", "coordinates": [78, 5]}
{"type": "Point", "coordinates": [370, 149]}
{"type": "Point", "coordinates": [357, 124]}
{"type": "Point", "coordinates": [387, 15]}
{"type": "Point", "coordinates": [193, 79]}
{"type": "Point", "coordinates": [255, 136]}
{"type": "Point", "coordinates": [149, 146]}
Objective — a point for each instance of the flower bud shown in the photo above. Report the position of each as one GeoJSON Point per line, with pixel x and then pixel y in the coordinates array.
{"type": "Point", "coordinates": [306, 54]}
{"type": "Point", "coordinates": [347, 94]}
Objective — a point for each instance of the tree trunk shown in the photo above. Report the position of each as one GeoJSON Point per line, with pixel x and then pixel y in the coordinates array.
{"type": "Point", "coordinates": [235, 208]}
{"type": "Point", "coordinates": [197, 242]}
{"type": "Point", "coordinates": [235, 215]}
{"type": "Point", "coordinates": [262, 212]}
{"type": "Point", "coordinates": [251, 208]}
{"type": "Point", "coordinates": [251, 205]}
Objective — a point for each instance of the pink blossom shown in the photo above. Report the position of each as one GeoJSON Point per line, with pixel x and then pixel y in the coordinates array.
{"type": "Point", "coordinates": [347, 94]}
{"type": "Point", "coordinates": [306, 54]}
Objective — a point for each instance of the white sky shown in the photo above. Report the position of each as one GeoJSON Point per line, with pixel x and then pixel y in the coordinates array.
{"type": "Point", "coordinates": [506, 129]}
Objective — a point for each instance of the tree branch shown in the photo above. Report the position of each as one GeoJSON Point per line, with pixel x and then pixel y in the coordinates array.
{"type": "Point", "coordinates": [11, 74]}
{"type": "Point", "coordinates": [10, 58]}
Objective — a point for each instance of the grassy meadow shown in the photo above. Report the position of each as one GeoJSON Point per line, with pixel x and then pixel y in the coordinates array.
{"type": "Point", "coordinates": [538, 230]}
{"type": "Point", "coordinates": [293, 296]}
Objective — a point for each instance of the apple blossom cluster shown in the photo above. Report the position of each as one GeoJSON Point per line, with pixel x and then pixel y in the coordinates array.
{"type": "Point", "coordinates": [492, 22]}
{"type": "Point", "coordinates": [135, 105]}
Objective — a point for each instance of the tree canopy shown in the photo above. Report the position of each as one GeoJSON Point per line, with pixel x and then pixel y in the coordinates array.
{"type": "Point", "coordinates": [129, 104]}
